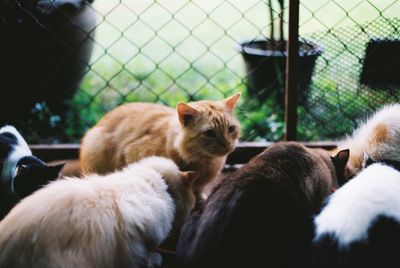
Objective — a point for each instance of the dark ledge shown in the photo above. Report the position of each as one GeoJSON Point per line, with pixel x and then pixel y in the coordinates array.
{"type": "Point", "coordinates": [242, 154]}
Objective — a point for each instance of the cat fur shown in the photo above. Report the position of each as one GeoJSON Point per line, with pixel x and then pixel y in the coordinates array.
{"type": "Point", "coordinates": [136, 130]}
{"type": "Point", "coordinates": [378, 136]}
{"type": "Point", "coordinates": [360, 224]}
{"type": "Point", "coordinates": [261, 215]}
{"type": "Point", "coordinates": [21, 173]}
{"type": "Point", "coordinates": [116, 220]}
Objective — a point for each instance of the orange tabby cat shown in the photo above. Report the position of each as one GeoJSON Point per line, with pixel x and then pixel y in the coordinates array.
{"type": "Point", "coordinates": [196, 136]}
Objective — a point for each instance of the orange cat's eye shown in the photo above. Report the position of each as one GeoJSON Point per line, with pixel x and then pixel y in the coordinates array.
{"type": "Point", "coordinates": [209, 133]}
{"type": "Point", "coordinates": [231, 129]}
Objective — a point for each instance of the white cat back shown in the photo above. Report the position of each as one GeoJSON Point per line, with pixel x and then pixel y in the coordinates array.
{"type": "Point", "coordinates": [164, 166]}
{"type": "Point", "coordinates": [21, 149]}
{"type": "Point", "coordinates": [14, 131]}
{"type": "Point", "coordinates": [388, 140]}
{"type": "Point", "coordinates": [98, 221]}
{"type": "Point", "coordinates": [353, 208]}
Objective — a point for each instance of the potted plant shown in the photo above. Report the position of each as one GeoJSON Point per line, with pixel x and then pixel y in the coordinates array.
{"type": "Point", "coordinates": [265, 62]}
{"type": "Point", "coordinates": [380, 65]}
{"type": "Point", "coordinates": [45, 48]}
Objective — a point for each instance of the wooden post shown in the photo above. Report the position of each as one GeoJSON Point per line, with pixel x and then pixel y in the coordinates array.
{"type": "Point", "coordinates": [292, 72]}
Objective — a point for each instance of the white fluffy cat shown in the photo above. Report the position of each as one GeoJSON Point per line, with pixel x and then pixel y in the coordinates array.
{"type": "Point", "coordinates": [378, 136]}
{"type": "Point", "coordinates": [116, 220]}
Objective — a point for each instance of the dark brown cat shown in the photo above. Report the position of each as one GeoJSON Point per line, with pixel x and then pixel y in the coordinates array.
{"type": "Point", "coordinates": [261, 215]}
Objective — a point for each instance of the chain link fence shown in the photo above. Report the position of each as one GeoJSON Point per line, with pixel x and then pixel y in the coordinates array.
{"type": "Point", "coordinates": [359, 70]}
{"type": "Point", "coordinates": [65, 63]}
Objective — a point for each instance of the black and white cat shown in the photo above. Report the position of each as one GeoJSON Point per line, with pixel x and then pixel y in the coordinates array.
{"type": "Point", "coordinates": [360, 224]}
{"type": "Point", "coordinates": [21, 172]}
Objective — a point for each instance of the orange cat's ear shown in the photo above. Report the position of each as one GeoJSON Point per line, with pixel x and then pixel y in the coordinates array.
{"type": "Point", "coordinates": [185, 113]}
{"type": "Point", "coordinates": [188, 177]}
{"type": "Point", "coordinates": [232, 101]}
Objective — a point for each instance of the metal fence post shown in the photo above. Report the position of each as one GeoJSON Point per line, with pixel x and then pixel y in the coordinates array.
{"type": "Point", "coordinates": [292, 72]}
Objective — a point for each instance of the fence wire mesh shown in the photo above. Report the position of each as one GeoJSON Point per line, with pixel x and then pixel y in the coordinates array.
{"type": "Point", "coordinates": [359, 70]}
{"type": "Point", "coordinates": [66, 63]}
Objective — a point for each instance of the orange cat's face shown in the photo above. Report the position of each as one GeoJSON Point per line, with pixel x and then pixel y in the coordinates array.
{"type": "Point", "coordinates": [210, 127]}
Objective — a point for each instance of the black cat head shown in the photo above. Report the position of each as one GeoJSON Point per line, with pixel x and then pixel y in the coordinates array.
{"type": "Point", "coordinates": [340, 161]}
{"type": "Point", "coordinates": [32, 174]}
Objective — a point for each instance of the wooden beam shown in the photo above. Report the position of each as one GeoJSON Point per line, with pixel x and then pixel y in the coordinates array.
{"type": "Point", "coordinates": [51, 152]}
{"type": "Point", "coordinates": [242, 154]}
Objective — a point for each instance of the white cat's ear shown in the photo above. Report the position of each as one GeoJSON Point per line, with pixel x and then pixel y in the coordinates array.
{"type": "Point", "coordinates": [188, 177]}
{"type": "Point", "coordinates": [232, 101]}
{"type": "Point", "coordinates": [186, 113]}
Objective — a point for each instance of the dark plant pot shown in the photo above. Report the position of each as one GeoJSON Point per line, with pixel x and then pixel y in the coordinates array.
{"type": "Point", "coordinates": [265, 69]}
{"type": "Point", "coordinates": [44, 54]}
{"type": "Point", "coordinates": [381, 63]}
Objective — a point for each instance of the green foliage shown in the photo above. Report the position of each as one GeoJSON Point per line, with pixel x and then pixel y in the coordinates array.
{"type": "Point", "coordinates": [43, 125]}
{"type": "Point", "coordinates": [331, 110]}
{"type": "Point", "coordinates": [261, 121]}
